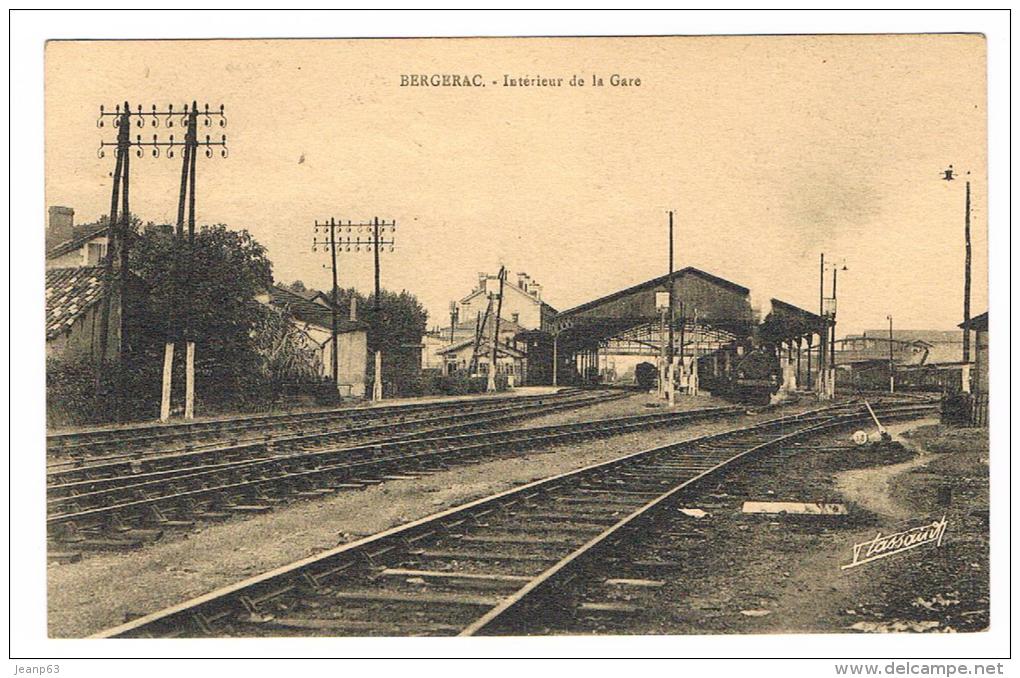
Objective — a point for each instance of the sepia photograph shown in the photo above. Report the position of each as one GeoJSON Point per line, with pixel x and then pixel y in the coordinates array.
{"type": "Point", "coordinates": [644, 335]}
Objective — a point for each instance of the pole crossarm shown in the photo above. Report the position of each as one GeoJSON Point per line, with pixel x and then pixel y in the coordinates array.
{"type": "Point", "coordinates": [169, 118]}
{"type": "Point", "coordinates": [341, 233]}
{"type": "Point", "coordinates": [152, 117]}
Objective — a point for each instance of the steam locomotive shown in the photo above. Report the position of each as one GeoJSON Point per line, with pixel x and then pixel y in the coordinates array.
{"type": "Point", "coordinates": [753, 380]}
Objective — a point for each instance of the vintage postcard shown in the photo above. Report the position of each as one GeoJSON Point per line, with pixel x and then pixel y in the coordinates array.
{"type": "Point", "coordinates": [535, 336]}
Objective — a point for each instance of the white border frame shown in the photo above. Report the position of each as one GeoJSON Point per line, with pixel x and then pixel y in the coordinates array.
{"type": "Point", "coordinates": [29, 30]}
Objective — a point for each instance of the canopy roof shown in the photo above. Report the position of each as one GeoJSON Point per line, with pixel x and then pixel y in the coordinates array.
{"type": "Point", "coordinates": [786, 321]}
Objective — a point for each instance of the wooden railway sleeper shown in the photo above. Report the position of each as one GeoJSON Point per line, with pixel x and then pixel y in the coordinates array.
{"type": "Point", "coordinates": [318, 578]}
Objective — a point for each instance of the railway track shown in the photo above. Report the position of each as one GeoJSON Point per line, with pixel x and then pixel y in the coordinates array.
{"type": "Point", "coordinates": [103, 512]}
{"type": "Point", "coordinates": [474, 568]}
{"type": "Point", "coordinates": [376, 431]}
{"type": "Point", "coordinates": [73, 447]}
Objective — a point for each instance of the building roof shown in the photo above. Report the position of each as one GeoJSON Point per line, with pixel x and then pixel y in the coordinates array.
{"type": "Point", "coordinates": [83, 234]}
{"type": "Point", "coordinates": [978, 323]}
{"type": "Point", "coordinates": [658, 282]}
{"type": "Point", "coordinates": [928, 336]}
{"type": "Point", "coordinates": [69, 293]}
{"type": "Point", "coordinates": [944, 346]}
{"type": "Point", "coordinates": [510, 284]}
{"type": "Point", "coordinates": [786, 321]}
{"type": "Point", "coordinates": [310, 312]}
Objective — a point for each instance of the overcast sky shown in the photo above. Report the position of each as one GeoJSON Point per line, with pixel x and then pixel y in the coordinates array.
{"type": "Point", "coordinates": [770, 150]}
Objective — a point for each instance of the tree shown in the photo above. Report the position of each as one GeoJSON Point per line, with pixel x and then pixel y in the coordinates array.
{"type": "Point", "coordinates": [395, 329]}
{"type": "Point", "coordinates": [297, 286]}
{"type": "Point", "coordinates": [207, 295]}
{"type": "Point", "coordinates": [287, 354]}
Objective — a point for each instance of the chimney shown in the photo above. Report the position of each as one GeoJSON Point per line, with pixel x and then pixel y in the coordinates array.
{"type": "Point", "coordinates": [522, 281]}
{"type": "Point", "coordinates": [354, 308]}
{"type": "Point", "coordinates": [482, 277]}
{"type": "Point", "coordinates": [61, 225]}
{"type": "Point", "coordinates": [535, 290]}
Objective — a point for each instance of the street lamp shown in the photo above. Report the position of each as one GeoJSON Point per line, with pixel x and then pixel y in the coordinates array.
{"type": "Point", "coordinates": [827, 311]}
{"type": "Point", "coordinates": [948, 174]}
{"type": "Point", "coordinates": [663, 305]}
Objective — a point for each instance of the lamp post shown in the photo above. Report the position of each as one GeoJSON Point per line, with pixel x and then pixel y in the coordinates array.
{"type": "Point", "coordinates": [948, 174]}
{"type": "Point", "coordinates": [892, 383]}
{"type": "Point", "coordinates": [662, 304]}
{"type": "Point", "coordinates": [827, 311]}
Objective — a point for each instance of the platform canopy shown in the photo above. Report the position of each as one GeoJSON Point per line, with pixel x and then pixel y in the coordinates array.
{"type": "Point", "coordinates": [717, 303]}
{"type": "Point", "coordinates": [786, 322]}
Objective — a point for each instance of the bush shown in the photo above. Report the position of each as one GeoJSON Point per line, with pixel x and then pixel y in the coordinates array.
{"type": "Point", "coordinates": [433, 382]}
{"type": "Point", "coordinates": [70, 393]}
{"type": "Point", "coordinates": [71, 398]}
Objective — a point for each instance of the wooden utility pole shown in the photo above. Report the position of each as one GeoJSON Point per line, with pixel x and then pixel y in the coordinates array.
{"type": "Point", "coordinates": [892, 382]}
{"type": "Point", "coordinates": [375, 248]}
{"type": "Point", "coordinates": [480, 321]}
{"type": "Point", "coordinates": [949, 174]}
{"type": "Point", "coordinates": [377, 390]}
{"type": "Point", "coordinates": [832, 341]}
{"type": "Point", "coordinates": [823, 335]}
{"type": "Point", "coordinates": [672, 316]}
{"type": "Point", "coordinates": [120, 224]}
{"type": "Point", "coordinates": [168, 349]}
{"type": "Point", "coordinates": [334, 363]}
{"type": "Point", "coordinates": [330, 242]}
{"type": "Point", "coordinates": [495, 331]}
{"type": "Point", "coordinates": [454, 317]}
{"type": "Point", "coordinates": [189, 332]}
{"type": "Point", "coordinates": [121, 167]}
{"type": "Point", "coordinates": [337, 243]}
{"type": "Point", "coordinates": [966, 277]}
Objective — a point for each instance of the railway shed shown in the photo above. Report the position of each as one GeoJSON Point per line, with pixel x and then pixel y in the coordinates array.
{"type": "Point", "coordinates": [712, 317]}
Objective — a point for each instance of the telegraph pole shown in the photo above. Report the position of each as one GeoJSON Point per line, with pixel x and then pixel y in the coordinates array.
{"type": "Point", "coordinates": [375, 242]}
{"type": "Point", "coordinates": [334, 363]}
{"type": "Point", "coordinates": [188, 118]}
{"type": "Point", "coordinates": [966, 277]}
{"type": "Point", "coordinates": [189, 337]}
{"type": "Point", "coordinates": [334, 353]}
{"type": "Point", "coordinates": [832, 341]}
{"type": "Point", "coordinates": [672, 318]}
{"type": "Point", "coordinates": [120, 223]}
{"type": "Point", "coordinates": [123, 145]}
{"type": "Point", "coordinates": [454, 317]}
{"type": "Point", "coordinates": [340, 240]}
{"type": "Point", "coordinates": [491, 386]}
{"type": "Point", "coordinates": [377, 390]}
{"type": "Point", "coordinates": [823, 335]}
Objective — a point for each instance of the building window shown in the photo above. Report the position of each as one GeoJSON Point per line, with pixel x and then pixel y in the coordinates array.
{"type": "Point", "coordinates": [95, 253]}
{"type": "Point", "coordinates": [516, 317]}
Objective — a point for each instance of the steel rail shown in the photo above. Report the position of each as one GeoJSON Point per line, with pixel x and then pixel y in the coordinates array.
{"type": "Point", "coordinates": [535, 435]}
{"type": "Point", "coordinates": [307, 575]}
{"type": "Point", "coordinates": [67, 442]}
{"type": "Point", "coordinates": [351, 470]}
{"type": "Point", "coordinates": [267, 445]}
{"type": "Point", "coordinates": [588, 548]}
{"type": "Point", "coordinates": [591, 548]}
